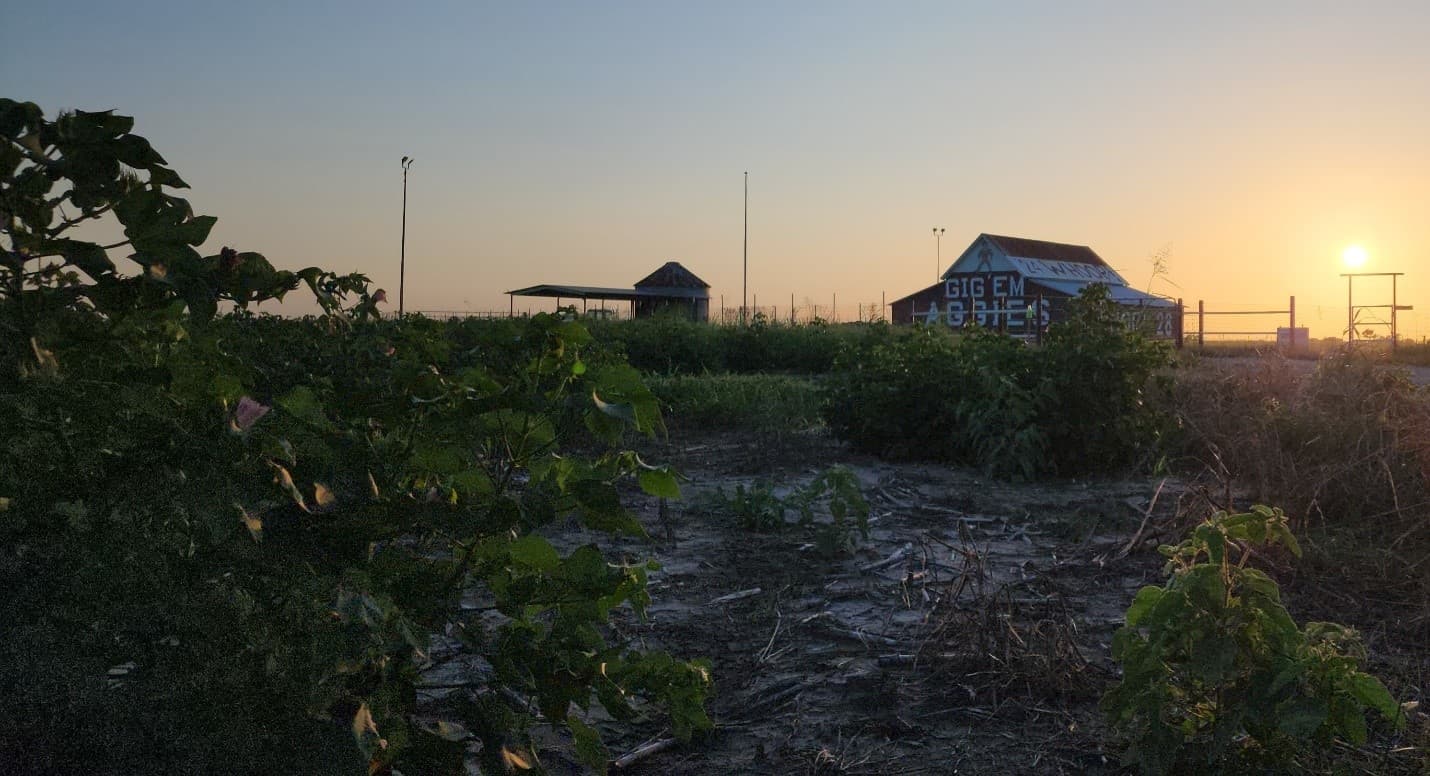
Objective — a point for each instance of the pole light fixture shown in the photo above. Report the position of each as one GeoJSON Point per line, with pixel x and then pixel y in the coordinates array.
{"type": "Point", "coordinates": [938, 252]}
{"type": "Point", "coordinates": [402, 269]}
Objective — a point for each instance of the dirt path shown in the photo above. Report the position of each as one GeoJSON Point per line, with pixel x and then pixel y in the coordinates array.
{"type": "Point", "coordinates": [969, 633]}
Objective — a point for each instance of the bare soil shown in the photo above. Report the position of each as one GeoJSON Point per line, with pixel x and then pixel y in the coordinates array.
{"type": "Point", "coordinates": [982, 648]}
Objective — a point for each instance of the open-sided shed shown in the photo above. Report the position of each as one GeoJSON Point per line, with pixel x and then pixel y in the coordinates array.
{"type": "Point", "coordinates": [672, 287]}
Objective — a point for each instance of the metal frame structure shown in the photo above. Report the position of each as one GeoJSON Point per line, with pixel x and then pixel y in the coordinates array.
{"type": "Point", "coordinates": [1352, 309]}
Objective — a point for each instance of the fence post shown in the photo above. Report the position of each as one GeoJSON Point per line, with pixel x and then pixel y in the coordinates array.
{"type": "Point", "coordinates": [791, 309]}
{"type": "Point", "coordinates": [1181, 323]}
{"type": "Point", "coordinates": [1201, 325]}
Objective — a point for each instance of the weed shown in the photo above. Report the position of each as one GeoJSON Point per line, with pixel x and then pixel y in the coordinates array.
{"type": "Point", "coordinates": [1216, 672]}
{"type": "Point", "coordinates": [834, 492]}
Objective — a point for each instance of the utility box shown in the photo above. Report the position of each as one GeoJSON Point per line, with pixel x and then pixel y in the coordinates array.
{"type": "Point", "coordinates": [1287, 337]}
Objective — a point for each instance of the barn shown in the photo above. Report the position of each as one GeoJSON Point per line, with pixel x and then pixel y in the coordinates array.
{"type": "Point", "coordinates": [1019, 286]}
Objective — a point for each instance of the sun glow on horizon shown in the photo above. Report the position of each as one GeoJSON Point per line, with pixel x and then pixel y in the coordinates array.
{"type": "Point", "coordinates": [1354, 257]}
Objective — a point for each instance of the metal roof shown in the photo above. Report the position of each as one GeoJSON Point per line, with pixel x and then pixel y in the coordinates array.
{"type": "Point", "coordinates": [1024, 248]}
{"type": "Point", "coordinates": [601, 292]}
{"type": "Point", "coordinates": [1119, 294]}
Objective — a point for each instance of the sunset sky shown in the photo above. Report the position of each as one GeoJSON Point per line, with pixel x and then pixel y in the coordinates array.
{"type": "Point", "coordinates": [588, 143]}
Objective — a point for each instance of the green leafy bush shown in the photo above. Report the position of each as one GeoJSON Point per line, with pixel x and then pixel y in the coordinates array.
{"type": "Point", "coordinates": [229, 544]}
{"type": "Point", "coordinates": [665, 345]}
{"type": "Point", "coordinates": [898, 398]}
{"type": "Point", "coordinates": [758, 403]}
{"type": "Point", "coordinates": [1216, 673]}
{"type": "Point", "coordinates": [1075, 404]}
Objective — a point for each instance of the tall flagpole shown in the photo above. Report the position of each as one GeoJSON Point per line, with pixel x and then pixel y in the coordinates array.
{"type": "Point", "coordinates": [745, 281]}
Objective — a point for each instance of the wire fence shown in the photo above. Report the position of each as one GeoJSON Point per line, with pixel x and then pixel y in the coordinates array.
{"type": "Point", "coordinates": [801, 315]}
{"type": "Point", "coordinates": [797, 314]}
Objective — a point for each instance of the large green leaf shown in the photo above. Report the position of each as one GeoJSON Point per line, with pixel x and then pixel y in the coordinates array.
{"type": "Point", "coordinates": [1143, 603]}
{"type": "Point", "coordinates": [92, 259]}
{"type": "Point", "coordinates": [535, 552]}
{"type": "Point", "coordinates": [304, 405]}
{"type": "Point", "coordinates": [1372, 693]}
{"type": "Point", "coordinates": [602, 510]}
{"type": "Point", "coordinates": [590, 750]}
{"type": "Point", "coordinates": [659, 482]}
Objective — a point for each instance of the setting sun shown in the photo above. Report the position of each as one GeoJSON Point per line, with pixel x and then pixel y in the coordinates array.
{"type": "Point", "coordinates": [1354, 257]}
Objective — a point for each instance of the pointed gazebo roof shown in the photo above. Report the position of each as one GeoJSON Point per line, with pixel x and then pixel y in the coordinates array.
{"type": "Point", "coordinates": [671, 275]}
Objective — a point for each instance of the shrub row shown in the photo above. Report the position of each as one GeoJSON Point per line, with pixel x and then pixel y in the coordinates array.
{"type": "Point", "coordinates": [676, 346]}
{"type": "Point", "coordinates": [727, 402]}
{"type": "Point", "coordinates": [1074, 405]}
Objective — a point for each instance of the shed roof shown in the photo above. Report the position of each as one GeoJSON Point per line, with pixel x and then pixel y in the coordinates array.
{"type": "Point", "coordinates": [672, 275]}
{"type": "Point", "coordinates": [1024, 248]}
{"type": "Point", "coordinates": [602, 292]}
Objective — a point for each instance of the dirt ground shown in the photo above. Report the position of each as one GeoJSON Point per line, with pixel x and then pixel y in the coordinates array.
{"type": "Point", "coordinates": [981, 648]}
{"type": "Point", "coordinates": [969, 634]}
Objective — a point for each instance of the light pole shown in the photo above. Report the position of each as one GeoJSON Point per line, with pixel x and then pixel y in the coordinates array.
{"type": "Point", "coordinates": [938, 252]}
{"type": "Point", "coordinates": [745, 278]}
{"type": "Point", "coordinates": [402, 271]}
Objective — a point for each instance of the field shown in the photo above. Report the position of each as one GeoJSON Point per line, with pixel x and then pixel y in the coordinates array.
{"type": "Point", "coordinates": [240, 543]}
{"type": "Point", "coordinates": [981, 648]}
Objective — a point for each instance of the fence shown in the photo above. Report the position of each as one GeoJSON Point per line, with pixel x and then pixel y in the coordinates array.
{"type": "Point", "coordinates": [793, 314]}
{"type": "Point", "coordinates": [1202, 313]}
{"type": "Point", "coordinates": [796, 314]}
{"type": "Point", "coordinates": [449, 314]}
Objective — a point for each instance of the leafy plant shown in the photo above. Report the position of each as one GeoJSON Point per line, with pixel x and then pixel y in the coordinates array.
{"type": "Point", "coordinates": [834, 491]}
{"type": "Point", "coordinates": [230, 542]}
{"type": "Point", "coordinates": [666, 345]}
{"type": "Point", "coordinates": [1216, 673]}
{"type": "Point", "coordinates": [1075, 404]}
{"type": "Point", "coordinates": [756, 508]}
{"type": "Point", "coordinates": [756, 403]}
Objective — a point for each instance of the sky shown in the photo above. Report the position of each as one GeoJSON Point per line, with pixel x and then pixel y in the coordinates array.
{"type": "Point", "coordinates": [588, 143]}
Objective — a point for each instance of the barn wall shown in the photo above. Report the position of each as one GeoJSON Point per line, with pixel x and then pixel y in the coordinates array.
{"type": "Point", "coordinates": [1002, 300]}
